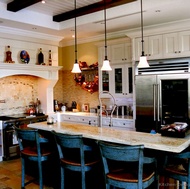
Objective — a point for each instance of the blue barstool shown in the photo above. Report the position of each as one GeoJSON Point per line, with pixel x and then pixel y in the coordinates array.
{"type": "Point", "coordinates": [30, 143]}
{"type": "Point", "coordinates": [177, 167]}
{"type": "Point", "coordinates": [75, 155]}
{"type": "Point", "coordinates": [126, 167]}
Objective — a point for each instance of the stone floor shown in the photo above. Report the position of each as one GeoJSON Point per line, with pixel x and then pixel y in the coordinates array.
{"type": "Point", "coordinates": [10, 176]}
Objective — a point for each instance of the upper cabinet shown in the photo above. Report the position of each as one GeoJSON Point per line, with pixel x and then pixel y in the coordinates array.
{"type": "Point", "coordinates": [119, 81]}
{"type": "Point", "coordinates": [168, 45]}
{"type": "Point", "coordinates": [121, 53]}
{"type": "Point", "coordinates": [152, 47]}
{"type": "Point", "coordinates": [176, 44]}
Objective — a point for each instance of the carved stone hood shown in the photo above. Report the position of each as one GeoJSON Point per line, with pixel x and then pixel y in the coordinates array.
{"type": "Point", "coordinates": [47, 78]}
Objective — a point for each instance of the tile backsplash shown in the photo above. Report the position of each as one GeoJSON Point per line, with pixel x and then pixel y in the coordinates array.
{"type": "Point", "coordinates": [17, 92]}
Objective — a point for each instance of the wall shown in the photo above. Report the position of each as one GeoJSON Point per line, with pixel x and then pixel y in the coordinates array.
{"type": "Point", "coordinates": [19, 90]}
{"type": "Point", "coordinates": [66, 90]}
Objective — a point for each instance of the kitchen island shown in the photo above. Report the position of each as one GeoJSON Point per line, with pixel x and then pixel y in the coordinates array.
{"type": "Point", "coordinates": [150, 141]}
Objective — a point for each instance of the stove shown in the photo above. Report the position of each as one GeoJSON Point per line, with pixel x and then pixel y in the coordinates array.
{"type": "Point", "coordinates": [9, 147]}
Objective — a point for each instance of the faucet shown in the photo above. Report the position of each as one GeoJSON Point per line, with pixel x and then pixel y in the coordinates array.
{"type": "Point", "coordinates": [100, 109]}
{"type": "Point", "coordinates": [111, 115]}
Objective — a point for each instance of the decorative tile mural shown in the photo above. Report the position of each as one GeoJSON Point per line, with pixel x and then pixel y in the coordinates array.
{"type": "Point", "coordinates": [16, 93]}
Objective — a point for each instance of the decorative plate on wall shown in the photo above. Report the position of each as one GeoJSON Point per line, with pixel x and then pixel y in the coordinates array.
{"type": "Point", "coordinates": [24, 57]}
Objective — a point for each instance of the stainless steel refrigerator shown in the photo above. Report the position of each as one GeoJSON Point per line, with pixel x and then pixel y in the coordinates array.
{"type": "Point", "coordinates": [161, 99]}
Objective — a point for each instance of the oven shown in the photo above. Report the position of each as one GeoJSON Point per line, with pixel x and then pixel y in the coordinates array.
{"type": "Point", "coordinates": [9, 143]}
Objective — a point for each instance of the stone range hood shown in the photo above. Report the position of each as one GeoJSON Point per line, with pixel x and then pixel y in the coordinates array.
{"type": "Point", "coordinates": [47, 78]}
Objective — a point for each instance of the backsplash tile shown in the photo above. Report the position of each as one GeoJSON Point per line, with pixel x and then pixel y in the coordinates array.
{"type": "Point", "coordinates": [17, 91]}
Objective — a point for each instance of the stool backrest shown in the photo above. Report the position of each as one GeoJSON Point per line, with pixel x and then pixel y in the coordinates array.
{"type": "Point", "coordinates": [24, 135]}
{"type": "Point", "coordinates": [122, 153]}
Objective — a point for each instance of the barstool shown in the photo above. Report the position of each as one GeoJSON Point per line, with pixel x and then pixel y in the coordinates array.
{"type": "Point", "coordinates": [75, 155]}
{"type": "Point", "coordinates": [126, 167]}
{"type": "Point", "coordinates": [177, 167]}
{"type": "Point", "coordinates": [31, 148]}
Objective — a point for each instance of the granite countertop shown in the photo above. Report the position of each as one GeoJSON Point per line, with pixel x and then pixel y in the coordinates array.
{"type": "Point", "coordinates": [88, 114]}
{"type": "Point", "coordinates": [150, 141]}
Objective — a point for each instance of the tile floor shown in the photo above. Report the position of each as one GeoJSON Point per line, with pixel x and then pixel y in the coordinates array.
{"type": "Point", "coordinates": [10, 176]}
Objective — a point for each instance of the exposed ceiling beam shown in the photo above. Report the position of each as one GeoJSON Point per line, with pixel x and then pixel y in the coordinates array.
{"type": "Point", "coordinates": [89, 9]}
{"type": "Point", "coordinates": [17, 5]}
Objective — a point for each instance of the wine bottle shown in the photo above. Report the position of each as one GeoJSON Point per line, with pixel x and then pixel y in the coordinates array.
{"type": "Point", "coordinates": [40, 57]}
{"type": "Point", "coordinates": [50, 60]}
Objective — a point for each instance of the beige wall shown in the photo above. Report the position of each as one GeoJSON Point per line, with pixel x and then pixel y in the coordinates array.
{"type": "Point", "coordinates": [87, 52]}
{"type": "Point", "coordinates": [66, 89]}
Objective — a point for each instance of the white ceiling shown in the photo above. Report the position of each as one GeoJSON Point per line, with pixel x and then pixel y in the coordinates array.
{"type": "Point", "coordinates": [38, 17]}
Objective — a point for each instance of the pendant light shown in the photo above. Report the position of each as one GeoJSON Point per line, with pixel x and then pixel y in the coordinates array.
{"type": "Point", "coordinates": [143, 59]}
{"type": "Point", "coordinates": [106, 62]}
{"type": "Point", "coordinates": [76, 68]}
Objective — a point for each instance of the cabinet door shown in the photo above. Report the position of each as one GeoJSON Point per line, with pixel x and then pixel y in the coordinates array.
{"type": "Point", "coordinates": [155, 47]}
{"type": "Point", "coordinates": [121, 80]}
{"type": "Point", "coordinates": [170, 45]}
{"type": "Point", "coordinates": [121, 53]}
{"type": "Point", "coordinates": [104, 84]}
{"type": "Point", "coordinates": [152, 47]}
{"type": "Point", "coordinates": [138, 47]}
{"type": "Point", "coordinates": [184, 43]}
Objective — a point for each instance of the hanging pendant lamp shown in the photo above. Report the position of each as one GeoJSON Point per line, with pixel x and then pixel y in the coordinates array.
{"type": "Point", "coordinates": [143, 59]}
{"type": "Point", "coordinates": [106, 62]}
{"type": "Point", "coordinates": [76, 68]}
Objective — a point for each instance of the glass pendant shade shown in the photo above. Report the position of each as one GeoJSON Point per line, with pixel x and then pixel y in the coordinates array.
{"type": "Point", "coordinates": [106, 66]}
{"type": "Point", "coordinates": [76, 68]}
{"type": "Point", "coordinates": [143, 62]}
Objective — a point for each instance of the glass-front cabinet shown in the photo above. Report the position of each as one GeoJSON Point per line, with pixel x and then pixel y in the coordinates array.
{"type": "Point", "coordinates": [119, 81]}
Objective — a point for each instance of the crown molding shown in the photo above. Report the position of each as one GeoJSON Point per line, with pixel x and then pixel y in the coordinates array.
{"type": "Point", "coordinates": [13, 33]}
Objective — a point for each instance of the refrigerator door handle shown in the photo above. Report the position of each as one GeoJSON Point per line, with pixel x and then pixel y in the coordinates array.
{"type": "Point", "coordinates": [158, 104]}
{"type": "Point", "coordinates": [154, 101]}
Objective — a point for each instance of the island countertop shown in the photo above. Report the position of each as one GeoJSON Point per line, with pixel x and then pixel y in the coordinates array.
{"type": "Point", "coordinates": [150, 141]}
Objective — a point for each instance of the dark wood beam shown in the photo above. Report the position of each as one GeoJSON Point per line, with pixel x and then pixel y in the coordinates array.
{"type": "Point", "coordinates": [89, 9]}
{"type": "Point", "coordinates": [17, 5]}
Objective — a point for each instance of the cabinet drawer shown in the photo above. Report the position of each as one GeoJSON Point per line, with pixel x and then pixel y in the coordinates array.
{"type": "Point", "coordinates": [71, 118]}
{"type": "Point", "coordinates": [89, 121]}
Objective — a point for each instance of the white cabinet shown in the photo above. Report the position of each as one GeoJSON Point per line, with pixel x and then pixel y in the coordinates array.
{"type": "Point", "coordinates": [121, 80]}
{"type": "Point", "coordinates": [176, 44]}
{"type": "Point", "coordinates": [121, 124]}
{"type": "Point", "coordinates": [117, 123]}
{"type": "Point", "coordinates": [152, 47]}
{"type": "Point", "coordinates": [121, 53]}
{"type": "Point", "coordinates": [81, 119]}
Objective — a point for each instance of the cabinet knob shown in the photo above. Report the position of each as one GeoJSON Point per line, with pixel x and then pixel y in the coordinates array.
{"type": "Point", "coordinates": [179, 51]}
{"type": "Point", "coordinates": [175, 52]}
